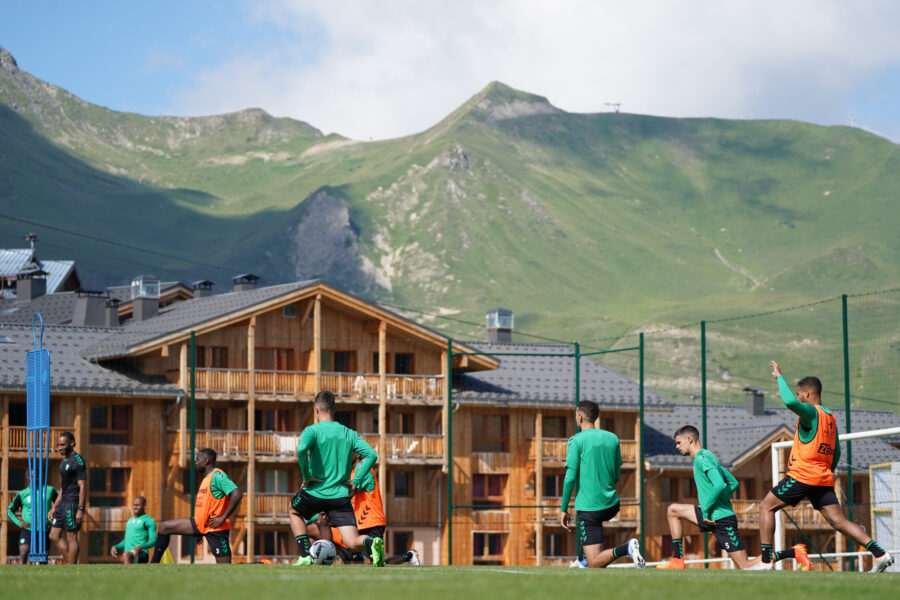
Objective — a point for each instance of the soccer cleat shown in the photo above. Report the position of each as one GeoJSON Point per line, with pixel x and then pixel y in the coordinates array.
{"type": "Point", "coordinates": [882, 563]}
{"type": "Point", "coordinates": [578, 564]}
{"type": "Point", "coordinates": [414, 558]}
{"type": "Point", "coordinates": [377, 551]}
{"type": "Point", "coordinates": [802, 557]}
{"type": "Point", "coordinates": [762, 566]}
{"type": "Point", "coordinates": [634, 551]}
{"type": "Point", "coordinates": [674, 563]}
{"type": "Point", "coordinates": [303, 561]}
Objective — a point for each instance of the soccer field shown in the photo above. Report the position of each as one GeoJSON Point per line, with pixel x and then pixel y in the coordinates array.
{"type": "Point", "coordinates": [208, 582]}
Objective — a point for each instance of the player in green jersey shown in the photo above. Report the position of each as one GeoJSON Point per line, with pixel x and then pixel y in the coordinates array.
{"type": "Point", "coordinates": [714, 513]}
{"type": "Point", "coordinates": [140, 535]}
{"type": "Point", "coordinates": [325, 455]}
{"type": "Point", "coordinates": [22, 503]}
{"type": "Point", "coordinates": [594, 462]}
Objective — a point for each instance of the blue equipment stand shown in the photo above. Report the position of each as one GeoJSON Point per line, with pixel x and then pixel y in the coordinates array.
{"type": "Point", "coordinates": [37, 386]}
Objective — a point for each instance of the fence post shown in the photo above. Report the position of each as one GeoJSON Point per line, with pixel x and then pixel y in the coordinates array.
{"type": "Point", "coordinates": [577, 400]}
{"type": "Point", "coordinates": [193, 438]}
{"type": "Point", "coordinates": [449, 451]}
{"type": "Point", "coordinates": [703, 417]}
{"type": "Point", "coordinates": [849, 458]}
{"type": "Point", "coordinates": [641, 443]}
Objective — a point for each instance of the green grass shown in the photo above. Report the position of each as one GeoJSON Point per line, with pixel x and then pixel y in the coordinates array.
{"type": "Point", "coordinates": [408, 583]}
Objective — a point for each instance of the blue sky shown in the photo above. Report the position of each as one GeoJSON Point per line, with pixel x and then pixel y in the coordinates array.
{"type": "Point", "coordinates": [391, 67]}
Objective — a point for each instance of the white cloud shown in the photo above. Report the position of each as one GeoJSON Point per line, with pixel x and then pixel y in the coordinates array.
{"type": "Point", "coordinates": [390, 68]}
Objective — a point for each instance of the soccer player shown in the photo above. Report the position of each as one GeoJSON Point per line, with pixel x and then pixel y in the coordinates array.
{"type": "Point", "coordinates": [810, 471]}
{"type": "Point", "coordinates": [714, 513]}
{"type": "Point", "coordinates": [22, 503]}
{"type": "Point", "coordinates": [68, 510]}
{"type": "Point", "coordinates": [325, 455]}
{"type": "Point", "coordinates": [594, 462]}
{"type": "Point", "coordinates": [368, 509]}
{"type": "Point", "coordinates": [140, 535]}
{"type": "Point", "coordinates": [217, 499]}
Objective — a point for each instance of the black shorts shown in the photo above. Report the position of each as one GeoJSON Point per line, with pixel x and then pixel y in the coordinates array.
{"type": "Point", "coordinates": [790, 491]}
{"type": "Point", "coordinates": [64, 516]}
{"type": "Point", "coordinates": [339, 510]}
{"type": "Point", "coordinates": [725, 530]}
{"type": "Point", "coordinates": [589, 524]}
{"type": "Point", "coordinates": [375, 532]}
{"type": "Point", "coordinates": [142, 558]}
{"type": "Point", "coordinates": [217, 540]}
{"type": "Point", "coordinates": [25, 538]}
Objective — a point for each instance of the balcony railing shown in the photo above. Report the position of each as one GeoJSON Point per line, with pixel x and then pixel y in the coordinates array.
{"type": "Point", "coordinates": [272, 506]}
{"type": "Point", "coordinates": [18, 438]}
{"type": "Point", "coordinates": [629, 512]}
{"type": "Point", "coordinates": [554, 449]}
{"type": "Point", "coordinates": [803, 514]}
{"type": "Point", "coordinates": [235, 383]}
{"type": "Point", "coordinates": [400, 448]}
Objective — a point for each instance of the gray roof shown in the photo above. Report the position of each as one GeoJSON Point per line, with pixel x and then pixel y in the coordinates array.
{"type": "Point", "coordinates": [12, 261]}
{"type": "Point", "coordinates": [733, 432]}
{"type": "Point", "coordinates": [69, 372]}
{"type": "Point", "coordinates": [54, 309]}
{"type": "Point", "coordinates": [547, 379]}
{"type": "Point", "coordinates": [185, 315]}
{"type": "Point", "coordinates": [123, 292]}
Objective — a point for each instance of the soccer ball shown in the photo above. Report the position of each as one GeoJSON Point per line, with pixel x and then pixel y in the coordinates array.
{"type": "Point", "coordinates": [322, 552]}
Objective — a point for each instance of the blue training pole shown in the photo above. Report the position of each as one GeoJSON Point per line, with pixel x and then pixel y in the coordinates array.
{"type": "Point", "coordinates": [37, 390]}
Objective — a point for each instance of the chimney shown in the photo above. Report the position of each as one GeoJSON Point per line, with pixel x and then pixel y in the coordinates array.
{"type": "Point", "coordinates": [144, 297]}
{"type": "Point", "coordinates": [111, 315]}
{"type": "Point", "coordinates": [89, 308]}
{"type": "Point", "coordinates": [30, 285]}
{"type": "Point", "coordinates": [755, 399]}
{"type": "Point", "coordinates": [202, 288]}
{"type": "Point", "coordinates": [244, 282]}
{"type": "Point", "coordinates": [499, 324]}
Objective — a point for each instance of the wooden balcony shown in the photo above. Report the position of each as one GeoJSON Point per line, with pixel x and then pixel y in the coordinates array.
{"type": "Point", "coordinates": [18, 439]}
{"type": "Point", "coordinates": [273, 446]}
{"type": "Point", "coordinates": [804, 514]}
{"type": "Point", "coordinates": [272, 508]}
{"type": "Point", "coordinates": [491, 520]}
{"type": "Point", "coordinates": [629, 513]}
{"type": "Point", "coordinates": [554, 450]}
{"type": "Point", "coordinates": [301, 385]}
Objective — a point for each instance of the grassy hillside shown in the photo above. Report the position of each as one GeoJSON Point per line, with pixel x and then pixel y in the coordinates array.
{"type": "Point", "coordinates": [586, 225]}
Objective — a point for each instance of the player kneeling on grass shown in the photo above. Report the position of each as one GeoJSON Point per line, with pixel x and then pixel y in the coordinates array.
{"type": "Point", "coordinates": [140, 535]}
{"type": "Point", "coordinates": [714, 513]}
{"type": "Point", "coordinates": [217, 498]}
{"type": "Point", "coordinates": [594, 462]}
{"type": "Point", "coordinates": [325, 455]}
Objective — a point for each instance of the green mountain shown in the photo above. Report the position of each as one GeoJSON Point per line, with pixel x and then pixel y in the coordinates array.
{"type": "Point", "coordinates": [586, 225]}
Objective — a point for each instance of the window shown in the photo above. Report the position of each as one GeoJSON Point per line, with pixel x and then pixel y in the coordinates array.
{"type": "Point", "coordinates": [403, 363]}
{"type": "Point", "coordinates": [746, 489]}
{"type": "Point", "coordinates": [554, 427]}
{"type": "Point", "coordinates": [487, 545]}
{"type": "Point", "coordinates": [186, 481]}
{"type": "Point", "coordinates": [553, 485]}
{"type": "Point", "coordinates": [273, 481]}
{"type": "Point", "coordinates": [338, 362]}
{"type": "Point", "coordinates": [668, 488]}
{"type": "Point", "coordinates": [554, 544]}
{"type": "Point", "coordinates": [99, 543]}
{"type": "Point", "coordinates": [400, 422]}
{"type": "Point", "coordinates": [218, 357]}
{"type": "Point", "coordinates": [289, 311]}
{"type": "Point", "coordinates": [199, 358]}
{"type": "Point", "coordinates": [110, 424]}
{"type": "Point", "coordinates": [18, 417]}
{"type": "Point", "coordinates": [347, 418]}
{"type": "Point", "coordinates": [375, 362]}
{"type": "Point", "coordinates": [688, 490]}
{"type": "Point", "coordinates": [608, 424]}
{"type": "Point", "coordinates": [403, 484]}
{"type": "Point", "coordinates": [488, 489]}
{"type": "Point", "coordinates": [272, 420]}
{"type": "Point", "coordinates": [107, 487]}
{"type": "Point", "coordinates": [489, 433]}
{"type": "Point", "coordinates": [274, 359]}
{"type": "Point", "coordinates": [16, 479]}
{"type": "Point", "coordinates": [403, 541]}
{"type": "Point", "coordinates": [218, 418]}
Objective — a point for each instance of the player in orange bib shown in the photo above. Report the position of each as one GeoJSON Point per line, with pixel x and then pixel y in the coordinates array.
{"type": "Point", "coordinates": [368, 509]}
{"type": "Point", "coordinates": [810, 471]}
{"type": "Point", "coordinates": [217, 499]}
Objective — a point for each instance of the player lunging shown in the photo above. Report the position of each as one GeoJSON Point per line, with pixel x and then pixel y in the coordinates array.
{"type": "Point", "coordinates": [325, 455]}
{"type": "Point", "coordinates": [68, 511]}
{"type": "Point", "coordinates": [217, 499]}
{"type": "Point", "coordinates": [22, 503]}
{"type": "Point", "coordinates": [594, 462]}
{"type": "Point", "coordinates": [810, 471]}
{"type": "Point", "coordinates": [714, 513]}
{"type": "Point", "coordinates": [140, 535]}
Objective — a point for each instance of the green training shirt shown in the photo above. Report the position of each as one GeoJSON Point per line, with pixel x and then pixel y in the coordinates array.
{"type": "Point", "coordinates": [325, 452]}
{"type": "Point", "coordinates": [221, 486]}
{"type": "Point", "coordinates": [139, 531]}
{"type": "Point", "coordinates": [22, 501]}
{"type": "Point", "coordinates": [594, 462]}
{"type": "Point", "coordinates": [714, 486]}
